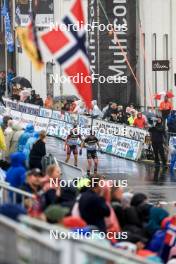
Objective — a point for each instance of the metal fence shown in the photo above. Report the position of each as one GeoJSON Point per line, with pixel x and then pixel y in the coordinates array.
{"type": "Point", "coordinates": [9, 194]}
{"type": "Point", "coordinates": [20, 244]}
{"type": "Point", "coordinates": [70, 172]}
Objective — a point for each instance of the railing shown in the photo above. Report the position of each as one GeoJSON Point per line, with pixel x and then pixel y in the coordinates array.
{"type": "Point", "coordinates": [70, 172]}
{"type": "Point", "coordinates": [82, 251]}
{"type": "Point", "coordinates": [10, 194]}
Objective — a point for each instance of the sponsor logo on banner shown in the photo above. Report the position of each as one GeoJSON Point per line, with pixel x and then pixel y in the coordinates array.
{"type": "Point", "coordinates": [121, 147]}
{"type": "Point", "coordinates": [26, 119]}
{"type": "Point", "coordinates": [11, 104]}
{"type": "Point", "coordinates": [70, 118]}
{"type": "Point", "coordinates": [57, 115]}
{"type": "Point", "coordinates": [41, 123]}
{"type": "Point", "coordinates": [104, 128]}
{"type": "Point", "coordinates": [45, 112]}
{"type": "Point", "coordinates": [84, 121]}
{"type": "Point", "coordinates": [16, 115]}
{"type": "Point", "coordinates": [29, 109]}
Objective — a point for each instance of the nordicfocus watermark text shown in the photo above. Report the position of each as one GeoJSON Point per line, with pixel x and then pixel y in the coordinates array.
{"type": "Point", "coordinates": [93, 183]}
{"type": "Point", "coordinates": [86, 131]}
{"type": "Point", "coordinates": [88, 27]}
{"type": "Point", "coordinates": [94, 234]}
{"type": "Point", "coordinates": [80, 78]}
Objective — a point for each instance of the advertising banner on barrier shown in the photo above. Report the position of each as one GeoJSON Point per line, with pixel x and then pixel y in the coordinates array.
{"type": "Point", "coordinates": [57, 115]}
{"type": "Point", "coordinates": [45, 112]}
{"type": "Point", "coordinates": [118, 139]}
{"type": "Point", "coordinates": [70, 118]}
{"type": "Point", "coordinates": [11, 104]}
{"type": "Point", "coordinates": [84, 121]}
{"type": "Point", "coordinates": [26, 119]}
{"type": "Point", "coordinates": [41, 123]}
{"type": "Point", "coordinates": [106, 128]}
{"type": "Point", "coordinates": [16, 115]}
{"type": "Point", "coordinates": [121, 147]}
{"type": "Point", "coordinates": [29, 109]}
{"type": "Point", "coordinates": [59, 129]}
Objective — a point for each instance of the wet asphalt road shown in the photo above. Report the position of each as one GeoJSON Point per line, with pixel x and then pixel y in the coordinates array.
{"type": "Point", "coordinates": [157, 183]}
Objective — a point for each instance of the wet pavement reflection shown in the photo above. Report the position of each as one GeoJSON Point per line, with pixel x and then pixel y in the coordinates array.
{"type": "Point", "coordinates": [158, 183]}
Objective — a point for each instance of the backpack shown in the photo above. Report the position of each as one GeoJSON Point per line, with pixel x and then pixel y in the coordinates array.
{"type": "Point", "coordinates": [47, 160]}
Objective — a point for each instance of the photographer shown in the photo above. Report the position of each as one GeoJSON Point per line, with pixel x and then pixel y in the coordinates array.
{"type": "Point", "coordinates": [157, 136]}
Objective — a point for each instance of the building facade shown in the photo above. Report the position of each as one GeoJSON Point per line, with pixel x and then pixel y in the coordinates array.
{"type": "Point", "coordinates": [155, 41]}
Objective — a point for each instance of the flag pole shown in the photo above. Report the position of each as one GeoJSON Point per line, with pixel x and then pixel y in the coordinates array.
{"type": "Point", "coordinates": [30, 13]}
{"type": "Point", "coordinates": [6, 55]}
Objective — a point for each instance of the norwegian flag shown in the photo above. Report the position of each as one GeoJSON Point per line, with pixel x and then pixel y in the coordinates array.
{"type": "Point", "coordinates": [68, 48]}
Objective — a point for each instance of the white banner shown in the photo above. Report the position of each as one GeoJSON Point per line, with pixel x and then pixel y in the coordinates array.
{"type": "Point", "coordinates": [41, 123]}
{"type": "Point", "coordinates": [29, 109]}
{"type": "Point", "coordinates": [101, 127]}
{"type": "Point", "coordinates": [121, 147]}
{"type": "Point", "coordinates": [45, 112]}
{"type": "Point", "coordinates": [26, 119]}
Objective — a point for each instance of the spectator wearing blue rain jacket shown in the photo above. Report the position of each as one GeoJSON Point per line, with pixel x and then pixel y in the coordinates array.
{"type": "Point", "coordinates": [29, 144]}
{"type": "Point", "coordinates": [16, 173]}
{"type": "Point", "coordinates": [25, 136]}
{"type": "Point", "coordinates": [171, 122]}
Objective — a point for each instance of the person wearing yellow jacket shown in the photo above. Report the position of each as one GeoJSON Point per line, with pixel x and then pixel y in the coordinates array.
{"type": "Point", "coordinates": [2, 141]}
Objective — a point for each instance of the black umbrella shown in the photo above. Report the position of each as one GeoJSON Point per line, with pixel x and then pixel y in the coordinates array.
{"type": "Point", "coordinates": [22, 81]}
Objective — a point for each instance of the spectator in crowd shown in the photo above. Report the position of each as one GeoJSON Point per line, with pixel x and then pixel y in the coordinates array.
{"type": "Point", "coordinates": [38, 151]}
{"type": "Point", "coordinates": [10, 76]}
{"type": "Point", "coordinates": [140, 121]}
{"type": "Point", "coordinates": [73, 106]}
{"type": "Point", "coordinates": [165, 108]}
{"type": "Point", "coordinates": [5, 120]}
{"type": "Point", "coordinates": [2, 84]}
{"type": "Point", "coordinates": [66, 106]}
{"type": "Point", "coordinates": [25, 95]}
{"type": "Point", "coordinates": [16, 172]}
{"type": "Point", "coordinates": [17, 133]}
{"type": "Point", "coordinates": [111, 112]}
{"type": "Point", "coordinates": [96, 112]}
{"type": "Point", "coordinates": [48, 102]}
{"type": "Point", "coordinates": [8, 133]}
{"type": "Point", "coordinates": [130, 108]}
{"type": "Point", "coordinates": [33, 97]}
{"type": "Point", "coordinates": [51, 186]}
{"type": "Point", "coordinates": [132, 117]}
{"type": "Point", "coordinates": [157, 136]}
{"type": "Point", "coordinates": [29, 145]}
{"type": "Point", "coordinates": [32, 183]}
{"type": "Point", "coordinates": [25, 136]}
{"type": "Point", "coordinates": [171, 122]}
{"type": "Point", "coordinates": [38, 100]}
{"type": "Point", "coordinates": [94, 215]}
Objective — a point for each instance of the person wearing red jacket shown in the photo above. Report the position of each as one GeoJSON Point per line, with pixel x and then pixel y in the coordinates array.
{"type": "Point", "coordinates": [140, 121]}
{"type": "Point", "coordinates": [165, 108]}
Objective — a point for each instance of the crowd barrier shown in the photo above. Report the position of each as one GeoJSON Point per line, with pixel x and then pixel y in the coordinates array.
{"type": "Point", "coordinates": [70, 172]}
{"type": "Point", "coordinates": [116, 139]}
{"type": "Point", "coordinates": [9, 194]}
{"type": "Point", "coordinates": [22, 244]}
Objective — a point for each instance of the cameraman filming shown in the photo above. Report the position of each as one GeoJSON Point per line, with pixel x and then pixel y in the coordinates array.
{"type": "Point", "coordinates": [157, 136]}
